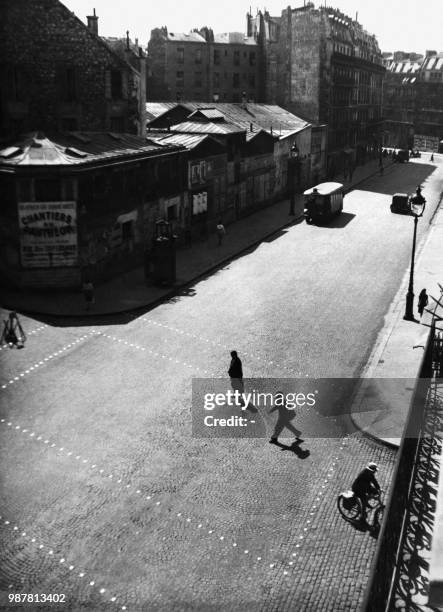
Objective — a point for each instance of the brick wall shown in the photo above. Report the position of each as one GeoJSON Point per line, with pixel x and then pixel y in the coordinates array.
{"type": "Point", "coordinates": [56, 74]}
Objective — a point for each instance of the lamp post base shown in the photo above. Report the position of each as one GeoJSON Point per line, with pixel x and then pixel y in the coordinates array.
{"type": "Point", "coordinates": [409, 312]}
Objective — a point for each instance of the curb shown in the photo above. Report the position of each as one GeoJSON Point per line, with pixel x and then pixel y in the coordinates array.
{"type": "Point", "coordinates": [386, 333]}
{"type": "Point", "coordinates": [169, 294]}
{"type": "Point", "coordinates": [177, 288]}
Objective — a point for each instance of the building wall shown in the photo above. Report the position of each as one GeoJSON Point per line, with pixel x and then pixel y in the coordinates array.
{"type": "Point", "coordinates": [115, 208]}
{"type": "Point", "coordinates": [190, 61]}
{"type": "Point", "coordinates": [413, 102]}
{"type": "Point", "coordinates": [322, 65]}
{"type": "Point", "coordinates": [190, 70]}
{"type": "Point", "coordinates": [56, 74]}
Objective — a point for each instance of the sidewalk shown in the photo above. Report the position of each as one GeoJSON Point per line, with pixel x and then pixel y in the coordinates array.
{"type": "Point", "coordinates": [381, 406]}
{"type": "Point", "coordinates": [130, 292]}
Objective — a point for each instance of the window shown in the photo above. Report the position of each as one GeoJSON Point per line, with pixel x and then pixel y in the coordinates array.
{"type": "Point", "coordinates": [236, 58]}
{"type": "Point", "coordinates": [252, 58]}
{"type": "Point", "coordinates": [47, 190]}
{"type": "Point", "coordinates": [197, 79]}
{"type": "Point", "coordinates": [180, 76]}
{"type": "Point", "coordinates": [236, 80]}
{"type": "Point", "coordinates": [216, 80]}
{"type": "Point", "coordinates": [252, 80]}
{"type": "Point", "coordinates": [180, 55]}
{"type": "Point", "coordinates": [198, 56]}
{"type": "Point", "coordinates": [216, 57]}
{"type": "Point", "coordinates": [116, 85]}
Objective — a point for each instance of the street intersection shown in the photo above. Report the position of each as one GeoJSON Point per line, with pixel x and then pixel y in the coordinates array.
{"type": "Point", "coordinates": [106, 496]}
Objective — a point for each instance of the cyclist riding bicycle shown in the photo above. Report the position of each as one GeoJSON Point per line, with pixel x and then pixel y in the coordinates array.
{"type": "Point", "coordinates": [366, 484]}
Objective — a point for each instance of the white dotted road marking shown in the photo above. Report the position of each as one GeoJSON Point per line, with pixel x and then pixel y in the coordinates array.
{"type": "Point", "coordinates": [68, 453]}
{"type": "Point", "coordinates": [62, 561]}
{"type": "Point", "coordinates": [46, 359]}
{"type": "Point", "coordinates": [214, 343]}
{"type": "Point", "coordinates": [151, 352]}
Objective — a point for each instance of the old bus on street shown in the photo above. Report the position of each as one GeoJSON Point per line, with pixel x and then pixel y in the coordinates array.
{"type": "Point", "coordinates": [323, 201]}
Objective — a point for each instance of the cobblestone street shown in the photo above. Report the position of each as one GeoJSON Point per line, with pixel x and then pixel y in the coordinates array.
{"type": "Point", "coordinates": [108, 498]}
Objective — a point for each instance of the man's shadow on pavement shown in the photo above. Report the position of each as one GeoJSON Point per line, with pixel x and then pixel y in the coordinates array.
{"type": "Point", "coordinates": [294, 448]}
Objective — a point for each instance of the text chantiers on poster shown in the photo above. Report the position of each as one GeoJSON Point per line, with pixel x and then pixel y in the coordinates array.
{"type": "Point", "coordinates": [48, 234]}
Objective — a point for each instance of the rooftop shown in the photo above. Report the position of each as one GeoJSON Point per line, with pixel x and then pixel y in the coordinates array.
{"type": "Point", "coordinates": [196, 127]}
{"type": "Point", "coordinates": [268, 117]}
{"type": "Point", "coordinates": [181, 37]}
{"type": "Point", "coordinates": [234, 38]}
{"type": "Point", "coordinates": [74, 148]}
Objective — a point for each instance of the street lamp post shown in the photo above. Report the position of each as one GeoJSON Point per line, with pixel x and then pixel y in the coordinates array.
{"type": "Point", "coordinates": [418, 203]}
{"type": "Point", "coordinates": [292, 165]}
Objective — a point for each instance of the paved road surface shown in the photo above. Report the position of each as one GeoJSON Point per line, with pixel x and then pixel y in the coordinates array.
{"type": "Point", "coordinates": [106, 496]}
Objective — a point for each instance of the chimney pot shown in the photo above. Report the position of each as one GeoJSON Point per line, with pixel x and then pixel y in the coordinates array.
{"type": "Point", "coordinates": [93, 23]}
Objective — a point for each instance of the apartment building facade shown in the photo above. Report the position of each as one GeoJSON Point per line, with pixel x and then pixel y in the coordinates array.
{"type": "Point", "coordinates": [202, 66]}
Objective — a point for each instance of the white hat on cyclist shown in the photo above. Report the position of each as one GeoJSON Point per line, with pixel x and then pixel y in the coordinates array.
{"type": "Point", "coordinates": [372, 466]}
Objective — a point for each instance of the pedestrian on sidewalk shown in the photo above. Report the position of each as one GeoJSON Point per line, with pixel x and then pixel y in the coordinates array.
{"type": "Point", "coordinates": [422, 301]}
{"type": "Point", "coordinates": [236, 374]}
{"type": "Point", "coordinates": [220, 232]}
{"type": "Point", "coordinates": [381, 170]}
{"type": "Point", "coordinates": [88, 292]}
{"type": "Point", "coordinates": [432, 157]}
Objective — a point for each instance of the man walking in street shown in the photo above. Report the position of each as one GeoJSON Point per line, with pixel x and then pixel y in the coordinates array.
{"type": "Point", "coordinates": [285, 416]}
{"type": "Point", "coordinates": [236, 374]}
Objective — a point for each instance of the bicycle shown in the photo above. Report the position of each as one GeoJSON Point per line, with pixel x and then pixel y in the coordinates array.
{"type": "Point", "coordinates": [351, 507]}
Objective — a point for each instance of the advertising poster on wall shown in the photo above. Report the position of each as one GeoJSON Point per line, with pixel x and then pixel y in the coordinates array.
{"type": "Point", "coordinates": [48, 234]}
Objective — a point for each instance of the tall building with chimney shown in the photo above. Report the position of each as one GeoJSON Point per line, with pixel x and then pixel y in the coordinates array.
{"type": "Point", "coordinates": [322, 65]}
{"type": "Point", "coordinates": [57, 73]}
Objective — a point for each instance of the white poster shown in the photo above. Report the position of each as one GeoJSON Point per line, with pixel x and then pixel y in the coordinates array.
{"type": "Point", "coordinates": [48, 234]}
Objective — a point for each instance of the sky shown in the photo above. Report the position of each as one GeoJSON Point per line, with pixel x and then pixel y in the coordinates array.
{"type": "Point", "coordinates": [399, 25]}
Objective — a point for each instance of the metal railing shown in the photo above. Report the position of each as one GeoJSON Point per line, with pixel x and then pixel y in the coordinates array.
{"type": "Point", "coordinates": [383, 575]}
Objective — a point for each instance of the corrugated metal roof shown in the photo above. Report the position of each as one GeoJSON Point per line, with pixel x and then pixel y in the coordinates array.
{"type": "Point", "coordinates": [155, 109]}
{"type": "Point", "coordinates": [209, 113]}
{"type": "Point", "coordinates": [194, 127]}
{"type": "Point", "coordinates": [74, 148]}
{"type": "Point", "coordinates": [190, 141]}
{"type": "Point", "coordinates": [262, 116]}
